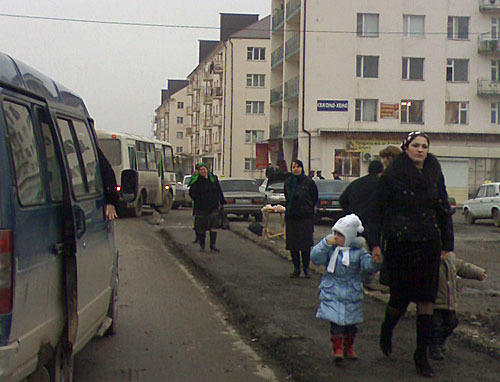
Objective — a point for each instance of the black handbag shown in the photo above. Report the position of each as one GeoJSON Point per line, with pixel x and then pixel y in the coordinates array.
{"type": "Point", "coordinates": [223, 220]}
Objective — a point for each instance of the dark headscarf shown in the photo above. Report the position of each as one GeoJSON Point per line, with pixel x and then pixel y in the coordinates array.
{"type": "Point", "coordinates": [410, 137]}
{"type": "Point", "coordinates": [294, 181]}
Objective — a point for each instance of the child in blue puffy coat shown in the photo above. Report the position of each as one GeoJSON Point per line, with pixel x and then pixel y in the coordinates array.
{"type": "Point", "coordinates": [344, 256]}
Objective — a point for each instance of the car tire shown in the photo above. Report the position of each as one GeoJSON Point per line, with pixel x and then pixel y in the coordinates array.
{"type": "Point", "coordinates": [496, 217]}
{"type": "Point", "coordinates": [469, 219]}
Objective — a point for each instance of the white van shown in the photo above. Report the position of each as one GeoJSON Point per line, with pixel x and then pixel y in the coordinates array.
{"type": "Point", "coordinates": [154, 162]}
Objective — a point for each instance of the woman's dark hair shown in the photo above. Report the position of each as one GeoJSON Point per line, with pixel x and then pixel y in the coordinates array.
{"type": "Point", "coordinates": [299, 163]}
{"type": "Point", "coordinates": [409, 139]}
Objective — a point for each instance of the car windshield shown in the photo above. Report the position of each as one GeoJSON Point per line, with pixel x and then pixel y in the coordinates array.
{"type": "Point", "coordinates": [331, 186]}
{"type": "Point", "coordinates": [239, 185]}
{"type": "Point", "coordinates": [279, 186]}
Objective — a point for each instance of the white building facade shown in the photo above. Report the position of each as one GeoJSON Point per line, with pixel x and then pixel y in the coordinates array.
{"type": "Point", "coordinates": [364, 74]}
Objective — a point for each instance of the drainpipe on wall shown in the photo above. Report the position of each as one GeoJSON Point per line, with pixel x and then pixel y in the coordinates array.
{"type": "Point", "coordinates": [231, 119]}
{"type": "Point", "coordinates": [304, 88]}
{"type": "Point", "coordinates": [223, 112]}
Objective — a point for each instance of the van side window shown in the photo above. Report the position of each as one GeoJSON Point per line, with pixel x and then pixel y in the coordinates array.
{"type": "Point", "coordinates": [141, 156]}
{"type": "Point", "coordinates": [53, 168]}
{"type": "Point", "coordinates": [30, 190]}
{"type": "Point", "coordinates": [89, 157]}
{"type": "Point", "coordinates": [75, 170]}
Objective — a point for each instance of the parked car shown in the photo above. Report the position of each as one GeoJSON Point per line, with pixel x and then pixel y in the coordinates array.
{"type": "Point", "coordinates": [484, 205]}
{"type": "Point", "coordinates": [274, 188]}
{"type": "Point", "coordinates": [453, 204]}
{"type": "Point", "coordinates": [181, 197]}
{"type": "Point", "coordinates": [243, 197]}
{"type": "Point", "coordinates": [329, 192]}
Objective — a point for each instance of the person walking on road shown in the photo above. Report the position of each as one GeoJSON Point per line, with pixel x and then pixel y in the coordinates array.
{"type": "Point", "coordinates": [301, 196]}
{"type": "Point", "coordinates": [208, 199]}
{"type": "Point", "coordinates": [411, 220]}
{"type": "Point", "coordinates": [445, 320]}
{"type": "Point", "coordinates": [344, 255]}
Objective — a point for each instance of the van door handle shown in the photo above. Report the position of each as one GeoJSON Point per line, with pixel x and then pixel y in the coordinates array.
{"type": "Point", "coordinates": [80, 222]}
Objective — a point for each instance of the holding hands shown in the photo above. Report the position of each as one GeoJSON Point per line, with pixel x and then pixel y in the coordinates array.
{"type": "Point", "coordinates": [377, 255]}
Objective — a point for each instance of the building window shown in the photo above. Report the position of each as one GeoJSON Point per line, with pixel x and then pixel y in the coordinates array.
{"type": "Point", "coordinates": [255, 107]}
{"type": "Point", "coordinates": [495, 113]}
{"type": "Point", "coordinates": [256, 54]}
{"type": "Point", "coordinates": [347, 163]}
{"type": "Point", "coordinates": [413, 26]}
{"type": "Point", "coordinates": [457, 70]}
{"type": "Point", "coordinates": [366, 110]}
{"type": "Point", "coordinates": [413, 68]}
{"type": "Point", "coordinates": [367, 25]}
{"type": "Point", "coordinates": [256, 80]}
{"type": "Point", "coordinates": [412, 111]}
{"type": "Point", "coordinates": [250, 164]}
{"type": "Point", "coordinates": [178, 149]}
{"type": "Point", "coordinates": [495, 28]}
{"type": "Point", "coordinates": [180, 120]}
{"type": "Point", "coordinates": [252, 136]}
{"type": "Point", "coordinates": [458, 28]}
{"type": "Point", "coordinates": [495, 70]}
{"type": "Point", "coordinates": [180, 135]}
{"type": "Point", "coordinates": [367, 66]}
{"type": "Point", "coordinates": [456, 113]}
{"type": "Point", "coordinates": [180, 105]}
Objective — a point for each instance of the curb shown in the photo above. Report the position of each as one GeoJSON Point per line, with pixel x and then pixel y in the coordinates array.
{"type": "Point", "coordinates": [474, 335]}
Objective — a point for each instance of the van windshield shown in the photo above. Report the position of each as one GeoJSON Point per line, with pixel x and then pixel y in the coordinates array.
{"type": "Point", "coordinates": [112, 150]}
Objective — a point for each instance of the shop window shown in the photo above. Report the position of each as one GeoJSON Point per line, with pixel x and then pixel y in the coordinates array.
{"type": "Point", "coordinates": [347, 163]}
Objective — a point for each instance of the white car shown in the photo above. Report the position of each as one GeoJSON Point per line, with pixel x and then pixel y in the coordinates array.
{"type": "Point", "coordinates": [485, 205]}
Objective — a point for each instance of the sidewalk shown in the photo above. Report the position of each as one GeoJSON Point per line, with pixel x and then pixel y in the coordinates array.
{"type": "Point", "coordinates": [278, 313]}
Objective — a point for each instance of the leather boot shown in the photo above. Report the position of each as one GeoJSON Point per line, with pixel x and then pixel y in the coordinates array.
{"type": "Point", "coordinates": [338, 353]}
{"type": "Point", "coordinates": [349, 352]}
{"type": "Point", "coordinates": [306, 260]}
{"type": "Point", "coordinates": [392, 316]}
{"type": "Point", "coordinates": [424, 326]}
{"type": "Point", "coordinates": [201, 240]}
{"type": "Point", "coordinates": [213, 238]}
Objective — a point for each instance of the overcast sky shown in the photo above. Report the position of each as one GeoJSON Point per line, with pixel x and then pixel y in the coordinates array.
{"type": "Point", "coordinates": [118, 70]}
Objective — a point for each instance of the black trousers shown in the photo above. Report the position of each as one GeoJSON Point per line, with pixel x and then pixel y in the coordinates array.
{"type": "Point", "coordinates": [444, 321]}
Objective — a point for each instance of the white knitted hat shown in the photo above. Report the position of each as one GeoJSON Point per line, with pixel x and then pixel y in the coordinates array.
{"type": "Point", "coordinates": [349, 226]}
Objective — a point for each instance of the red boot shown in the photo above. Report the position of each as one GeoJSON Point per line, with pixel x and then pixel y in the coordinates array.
{"type": "Point", "coordinates": [338, 354]}
{"type": "Point", "coordinates": [349, 352]}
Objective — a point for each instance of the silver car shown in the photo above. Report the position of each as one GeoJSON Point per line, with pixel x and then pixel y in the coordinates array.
{"type": "Point", "coordinates": [243, 197]}
{"type": "Point", "coordinates": [484, 205]}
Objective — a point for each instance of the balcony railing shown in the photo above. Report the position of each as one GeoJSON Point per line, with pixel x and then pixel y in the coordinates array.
{"type": "Point", "coordinates": [217, 119]}
{"type": "Point", "coordinates": [291, 129]}
{"type": "Point", "coordinates": [189, 129]}
{"type": "Point", "coordinates": [292, 46]}
{"type": "Point", "coordinates": [196, 85]}
{"type": "Point", "coordinates": [190, 90]}
{"type": "Point", "coordinates": [488, 43]}
{"type": "Point", "coordinates": [217, 92]}
{"type": "Point", "coordinates": [275, 131]}
{"type": "Point", "coordinates": [277, 57]}
{"type": "Point", "coordinates": [292, 88]}
{"type": "Point", "coordinates": [489, 5]}
{"type": "Point", "coordinates": [207, 76]}
{"type": "Point", "coordinates": [207, 99]}
{"type": "Point", "coordinates": [216, 147]}
{"type": "Point", "coordinates": [207, 123]}
{"type": "Point", "coordinates": [196, 107]}
{"type": "Point", "coordinates": [189, 110]}
{"type": "Point", "coordinates": [278, 18]}
{"type": "Point", "coordinates": [206, 147]}
{"type": "Point", "coordinates": [218, 65]}
{"type": "Point", "coordinates": [276, 95]}
{"type": "Point", "coordinates": [488, 87]}
{"type": "Point", "coordinates": [292, 8]}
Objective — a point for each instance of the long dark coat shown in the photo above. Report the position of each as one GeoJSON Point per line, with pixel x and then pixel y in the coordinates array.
{"type": "Point", "coordinates": [300, 214]}
{"type": "Point", "coordinates": [411, 221]}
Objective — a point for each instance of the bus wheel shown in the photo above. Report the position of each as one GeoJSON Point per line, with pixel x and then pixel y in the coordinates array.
{"type": "Point", "coordinates": [167, 201]}
{"type": "Point", "coordinates": [137, 209]}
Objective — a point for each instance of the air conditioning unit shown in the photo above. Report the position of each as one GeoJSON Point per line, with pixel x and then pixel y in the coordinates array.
{"type": "Point", "coordinates": [366, 157]}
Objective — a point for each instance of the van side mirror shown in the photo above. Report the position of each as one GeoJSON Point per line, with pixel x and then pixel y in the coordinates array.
{"type": "Point", "coordinates": [129, 182]}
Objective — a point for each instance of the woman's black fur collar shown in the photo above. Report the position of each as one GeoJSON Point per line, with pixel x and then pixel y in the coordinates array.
{"type": "Point", "coordinates": [403, 169]}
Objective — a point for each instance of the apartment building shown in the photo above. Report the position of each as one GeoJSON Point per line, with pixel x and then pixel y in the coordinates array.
{"type": "Point", "coordinates": [229, 90]}
{"type": "Point", "coordinates": [364, 74]}
{"type": "Point", "coordinates": [173, 124]}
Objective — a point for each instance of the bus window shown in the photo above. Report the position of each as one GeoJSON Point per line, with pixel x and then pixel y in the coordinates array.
{"type": "Point", "coordinates": [151, 157]}
{"type": "Point", "coordinates": [142, 163]}
{"type": "Point", "coordinates": [131, 157]}
{"type": "Point", "coordinates": [168, 159]}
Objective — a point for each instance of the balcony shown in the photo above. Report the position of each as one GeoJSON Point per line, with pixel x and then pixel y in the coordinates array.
{"type": "Point", "coordinates": [488, 87]}
{"type": "Point", "coordinates": [217, 119]}
{"type": "Point", "coordinates": [277, 95]}
{"type": "Point", "coordinates": [278, 19]}
{"type": "Point", "coordinates": [489, 5]}
{"type": "Point", "coordinates": [207, 99]}
{"type": "Point", "coordinates": [190, 90]}
{"type": "Point", "coordinates": [189, 129]}
{"type": "Point", "coordinates": [217, 92]}
{"type": "Point", "coordinates": [196, 107]}
{"type": "Point", "coordinates": [196, 85]}
{"type": "Point", "coordinates": [275, 131]}
{"type": "Point", "coordinates": [189, 110]}
{"type": "Point", "coordinates": [206, 147]}
{"type": "Point", "coordinates": [207, 76]}
{"type": "Point", "coordinates": [277, 57]}
{"type": "Point", "coordinates": [292, 9]}
{"type": "Point", "coordinates": [292, 46]}
{"type": "Point", "coordinates": [207, 123]}
{"type": "Point", "coordinates": [216, 147]}
{"type": "Point", "coordinates": [292, 88]}
{"type": "Point", "coordinates": [488, 43]}
{"type": "Point", "coordinates": [291, 129]}
{"type": "Point", "coordinates": [218, 65]}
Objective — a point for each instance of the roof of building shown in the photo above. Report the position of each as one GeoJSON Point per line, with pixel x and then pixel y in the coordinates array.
{"type": "Point", "coordinates": [233, 22]}
{"type": "Point", "coordinates": [259, 29]}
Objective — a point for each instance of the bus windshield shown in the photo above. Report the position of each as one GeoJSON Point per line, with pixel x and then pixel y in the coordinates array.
{"type": "Point", "coordinates": [112, 150]}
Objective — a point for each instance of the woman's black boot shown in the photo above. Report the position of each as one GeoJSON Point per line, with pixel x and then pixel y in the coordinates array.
{"type": "Point", "coordinates": [306, 260]}
{"type": "Point", "coordinates": [296, 264]}
{"type": "Point", "coordinates": [213, 238]}
{"type": "Point", "coordinates": [201, 240]}
{"type": "Point", "coordinates": [424, 325]}
{"type": "Point", "coordinates": [392, 316]}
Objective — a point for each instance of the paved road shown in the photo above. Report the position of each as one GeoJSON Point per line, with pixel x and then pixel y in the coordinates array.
{"type": "Point", "coordinates": [279, 312]}
{"type": "Point", "coordinates": [169, 327]}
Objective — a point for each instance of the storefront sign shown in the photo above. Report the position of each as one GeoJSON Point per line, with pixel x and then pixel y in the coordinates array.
{"type": "Point", "coordinates": [325, 105]}
{"type": "Point", "coordinates": [366, 145]}
{"type": "Point", "coordinates": [389, 110]}
{"type": "Point", "coordinates": [261, 155]}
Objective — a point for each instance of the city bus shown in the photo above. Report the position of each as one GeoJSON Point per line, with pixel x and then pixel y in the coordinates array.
{"type": "Point", "coordinates": [154, 162]}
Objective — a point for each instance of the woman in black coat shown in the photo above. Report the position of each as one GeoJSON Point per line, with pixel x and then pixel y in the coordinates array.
{"type": "Point", "coordinates": [412, 222]}
{"type": "Point", "coordinates": [301, 196]}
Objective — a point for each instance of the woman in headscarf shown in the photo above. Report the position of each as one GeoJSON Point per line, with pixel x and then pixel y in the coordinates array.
{"type": "Point", "coordinates": [301, 196]}
{"type": "Point", "coordinates": [411, 221]}
{"type": "Point", "coordinates": [208, 199]}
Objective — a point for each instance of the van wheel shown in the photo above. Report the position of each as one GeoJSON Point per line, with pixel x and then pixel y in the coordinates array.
{"type": "Point", "coordinates": [469, 219]}
{"type": "Point", "coordinates": [113, 306]}
{"type": "Point", "coordinates": [40, 375]}
{"type": "Point", "coordinates": [496, 218]}
{"type": "Point", "coordinates": [166, 204]}
{"type": "Point", "coordinates": [59, 370]}
{"type": "Point", "coordinates": [137, 209]}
